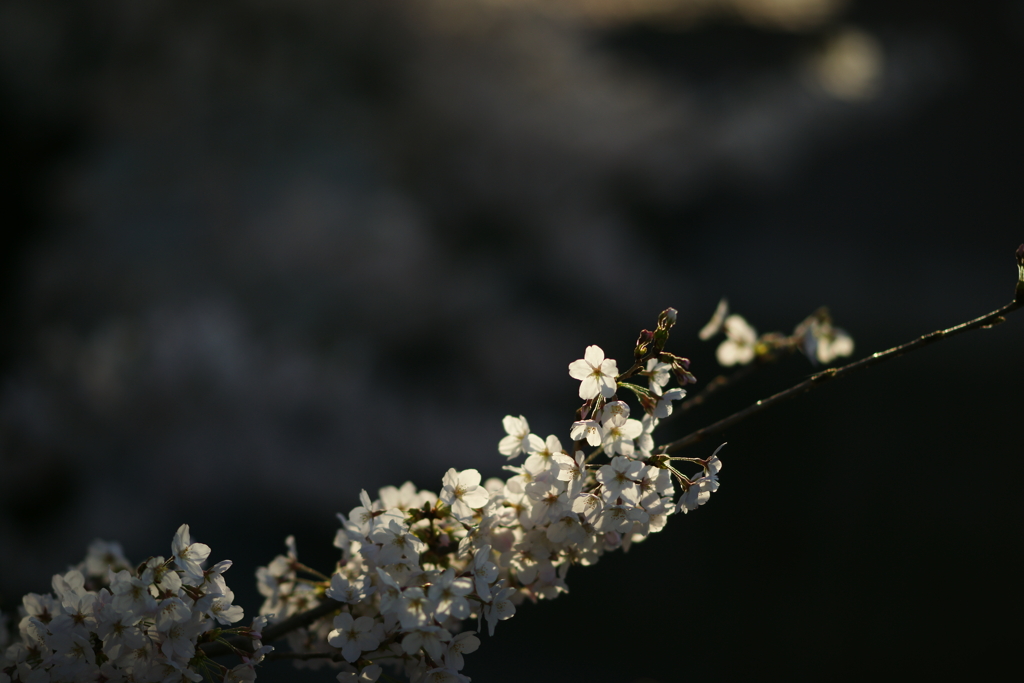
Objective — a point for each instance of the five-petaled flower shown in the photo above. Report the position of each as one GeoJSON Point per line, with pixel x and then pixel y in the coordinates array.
{"type": "Point", "coordinates": [353, 636]}
{"type": "Point", "coordinates": [597, 373]}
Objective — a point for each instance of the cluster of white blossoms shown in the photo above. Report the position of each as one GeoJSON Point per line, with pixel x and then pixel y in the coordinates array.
{"type": "Point", "coordinates": [415, 565]}
{"type": "Point", "coordinates": [106, 621]}
{"type": "Point", "coordinates": [815, 337]}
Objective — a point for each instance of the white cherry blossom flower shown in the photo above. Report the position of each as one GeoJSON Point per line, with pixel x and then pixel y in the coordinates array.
{"type": "Point", "coordinates": [658, 375]}
{"type": "Point", "coordinates": [189, 556]}
{"type": "Point", "coordinates": [645, 442]}
{"type": "Point", "coordinates": [596, 372]}
{"type": "Point", "coordinates": [614, 413]}
{"type": "Point", "coordinates": [118, 632]}
{"type": "Point", "coordinates": [363, 516]}
{"type": "Point", "coordinates": [353, 636]}
{"type": "Point", "coordinates": [172, 611]}
{"type": "Point", "coordinates": [620, 518]}
{"type": "Point", "coordinates": [519, 439]}
{"type": "Point", "coordinates": [741, 338]}
{"type": "Point", "coordinates": [567, 526]}
{"type": "Point", "coordinates": [352, 592]}
{"type": "Point", "coordinates": [541, 478]}
{"type": "Point", "coordinates": [69, 587]}
{"type": "Point", "coordinates": [541, 459]}
{"type": "Point", "coordinates": [131, 594]}
{"type": "Point", "coordinates": [663, 407]}
{"type": "Point", "coordinates": [837, 345]}
{"type": "Point", "coordinates": [430, 638]}
{"type": "Point", "coordinates": [390, 592]}
{"type": "Point", "coordinates": [104, 556]}
{"type": "Point", "coordinates": [396, 543]}
{"type": "Point", "coordinates": [402, 498]}
{"type": "Point", "coordinates": [462, 644]}
{"type": "Point", "coordinates": [246, 671]}
{"type": "Point", "coordinates": [167, 580]}
{"type": "Point", "coordinates": [43, 607]}
{"type": "Point", "coordinates": [694, 496]}
{"type": "Point", "coordinates": [77, 658]}
{"type": "Point", "coordinates": [484, 572]}
{"type": "Point", "coordinates": [549, 503]}
{"type": "Point", "coordinates": [589, 430]}
{"type": "Point", "coordinates": [79, 609]}
{"type": "Point", "coordinates": [700, 489]}
{"type": "Point", "coordinates": [179, 638]}
{"type": "Point", "coordinates": [619, 435]}
{"type": "Point", "coordinates": [572, 471]}
{"type": "Point", "coordinates": [588, 505]}
{"type": "Point", "coordinates": [520, 507]}
{"type": "Point", "coordinates": [448, 593]}
{"type": "Point", "coordinates": [64, 633]}
{"type": "Point", "coordinates": [823, 343]}
{"type": "Point", "coordinates": [415, 609]}
{"type": "Point", "coordinates": [619, 479]}
{"type": "Point", "coordinates": [223, 611]}
{"type": "Point", "coordinates": [462, 492]}
{"type": "Point", "coordinates": [500, 608]}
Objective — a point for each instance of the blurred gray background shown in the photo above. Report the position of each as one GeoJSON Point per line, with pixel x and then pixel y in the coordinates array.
{"type": "Point", "coordinates": [262, 255]}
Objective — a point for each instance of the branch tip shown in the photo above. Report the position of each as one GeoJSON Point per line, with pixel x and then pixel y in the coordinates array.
{"type": "Point", "coordinates": [1019, 294]}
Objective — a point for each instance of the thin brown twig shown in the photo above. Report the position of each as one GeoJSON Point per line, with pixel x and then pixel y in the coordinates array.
{"type": "Point", "coordinates": [987, 320]}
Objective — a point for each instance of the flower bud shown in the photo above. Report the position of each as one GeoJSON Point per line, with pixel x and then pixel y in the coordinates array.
{"type": "Point", "coordinates": [660, 338]}
{"type": "Point", "coordinates": [584, 409]}
{"type": "Point", "coordinates": [1019, 293]}
{"type": "Point", "coordinates": [681, 370]}
{"type": "Point", "coordinates": [643, 344]}
{"type": "Point", "coordinates": [667, 318]}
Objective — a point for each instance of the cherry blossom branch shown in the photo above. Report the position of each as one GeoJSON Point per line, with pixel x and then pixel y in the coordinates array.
{"type": "Point", "coordinates": [988, 320]}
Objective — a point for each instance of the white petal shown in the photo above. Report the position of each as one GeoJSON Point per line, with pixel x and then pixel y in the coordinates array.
{"type": "Point", "coordinates": [715, 324]}
{"type": "Point", "coordinates": [469, 478]}
{"type": "Point", "coordinates": [579, 369]}
{"type": "Point", "coordinates": [515, 426]}
{"type": "Point", "coordinates": [594, 355]}
{"type": "Point", "coordinates": [510, 445]}
{"type": "Point", "coordinates": [738, 329]}
{"type": "Point", "coordinates": [589, 388]}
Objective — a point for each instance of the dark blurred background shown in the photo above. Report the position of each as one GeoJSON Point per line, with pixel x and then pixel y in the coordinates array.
{"type": "Point", "coordinates": [261, 255]}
